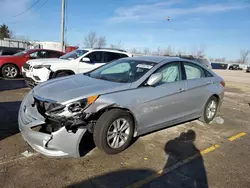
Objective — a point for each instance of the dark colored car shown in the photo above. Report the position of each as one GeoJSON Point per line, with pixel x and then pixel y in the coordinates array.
{"type": "Point", "coordinates": [9, 51]}
{"type": "Point", "coordinates": [10, 66]}
{"type": "Point", "coordinates": [248, 69]}
{"type": "Point", "coordinates": [235, 67]}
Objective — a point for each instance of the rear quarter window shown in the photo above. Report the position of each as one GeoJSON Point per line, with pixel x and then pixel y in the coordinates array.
{"type": "Point", "coordinates": [208, 74]}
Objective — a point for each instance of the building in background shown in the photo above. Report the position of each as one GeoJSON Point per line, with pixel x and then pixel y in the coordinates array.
{"type": "Point", "coordinates": [20, 45]}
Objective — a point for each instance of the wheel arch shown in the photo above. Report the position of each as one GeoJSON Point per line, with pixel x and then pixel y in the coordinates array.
{"type": "Point", "coordinates": [108, 108]}
{"type": "Point", "coordinates": [53, 74]}
{"type": "Point", "coordinates": [217, 97]}
{"type": "Point", "coordinates": [9, 63]}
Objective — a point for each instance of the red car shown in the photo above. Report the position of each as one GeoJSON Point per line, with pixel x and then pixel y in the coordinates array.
{"type": "Point", "coordinates": [10, 66]}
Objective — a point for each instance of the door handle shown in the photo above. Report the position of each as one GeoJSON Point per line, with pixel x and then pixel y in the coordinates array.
{"type": "Point", "coordinates": [181, 90]}
{"type": "Point", "coordinates": [208, 82]}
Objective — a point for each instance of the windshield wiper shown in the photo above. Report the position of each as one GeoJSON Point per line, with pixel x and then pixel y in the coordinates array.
{"type": "Point", "coordinates": [87, 74]}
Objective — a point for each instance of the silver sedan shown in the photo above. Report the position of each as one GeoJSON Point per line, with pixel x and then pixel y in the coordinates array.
{"type": "Point", "coordinates": [118, 101]}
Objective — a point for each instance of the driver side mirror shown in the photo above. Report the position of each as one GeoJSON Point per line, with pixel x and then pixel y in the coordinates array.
{"type": "Point", "coordinates": [85, 60]}
{"type": "Point", "coordinates": [155, 79]}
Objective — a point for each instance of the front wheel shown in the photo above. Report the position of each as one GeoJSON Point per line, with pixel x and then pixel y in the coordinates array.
{"type": "Point", "coordinates": [113, 131]}
{"type": "Point", "coordinates": [10, 71]}
{"type": "Point", "coordinates": [210, 110]}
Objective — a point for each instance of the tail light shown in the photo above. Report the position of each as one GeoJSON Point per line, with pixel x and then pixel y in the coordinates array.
{"type": "Point", "coordinates": [223, 83]}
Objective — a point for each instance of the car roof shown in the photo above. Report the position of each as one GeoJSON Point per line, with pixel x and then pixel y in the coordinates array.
{"type": "Point", "coordinates": [155, 59]}
{"type": "Point", "coordinates": [40, 49]}
{"type": "Point", "coordinates": [106, 50]}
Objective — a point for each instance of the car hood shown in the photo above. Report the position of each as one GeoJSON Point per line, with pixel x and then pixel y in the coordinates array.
{"type": "Point", "coordinates": [45, 61]}
{"type": "Point", "coordinates": [71, 88]}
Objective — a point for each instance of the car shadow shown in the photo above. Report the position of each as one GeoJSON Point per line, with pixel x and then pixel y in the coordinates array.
{"type": "Point", "coordinates": [8, 118]}
{"type": "Point", "coordinates": [184, 167]}
{"type": "Point", "coordinates": [11, 84]}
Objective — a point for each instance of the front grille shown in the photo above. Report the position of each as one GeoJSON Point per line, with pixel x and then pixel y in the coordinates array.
{"type": "Point", "coordinates": [26, 66]}
{"type": "Point", "coordinates": [37, 78]}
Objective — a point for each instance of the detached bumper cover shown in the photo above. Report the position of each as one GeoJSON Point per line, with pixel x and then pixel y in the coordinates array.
{"type": "Point", "coordinates": [29, 81]}
{"type": "Point", "coordinates": [35, 76]}
{"type": "Point", "coordinates": [57, 144]}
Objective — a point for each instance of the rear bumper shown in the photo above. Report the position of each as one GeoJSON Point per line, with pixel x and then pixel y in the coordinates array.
{"type": "Point", "coordinates": [60, 143]}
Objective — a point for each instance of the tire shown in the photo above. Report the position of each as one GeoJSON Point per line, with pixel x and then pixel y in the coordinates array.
{"type": "Point", "coordinates": [61, 74]}
{"type": "Point", "coordinates": [105, 124]}
{"type": "Point", "coordinates": [10, 71]}
{"type": "Point", "coordinates": [209, 112]}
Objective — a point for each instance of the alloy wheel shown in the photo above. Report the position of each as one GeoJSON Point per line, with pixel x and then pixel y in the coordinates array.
{"type": "Point", "coordinates": [118, 133]}
{"type": "Point", "coordinates": [10, 72]}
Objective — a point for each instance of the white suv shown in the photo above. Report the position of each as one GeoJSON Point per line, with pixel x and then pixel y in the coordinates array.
{"type": "Point", "coordinates": [78, 61]}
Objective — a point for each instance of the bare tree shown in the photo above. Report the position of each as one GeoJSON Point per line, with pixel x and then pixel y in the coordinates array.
{"type": "Point", "coordinates": [146, 51]}
{"type": "Point", "coordinates": [244, 56]}
{"type": "Point", "coordinates": [159, 51]}
{"type": "Point", "coordinates": [180, 53]}
{"type": "Point", "coordinates": [134, 51]}
{"type": "Point", "coordinates": [119, 45]}
{"type": "Point", "coordinates": [223, 59]}
{"type": "Point", "coordinates": [168, 51]}
{"type": "Point", "coordinates": [101, 43]}
{"type": "Point", "coordinates": [90, 41]}
{"type": "Point", "coordinates": [200, 52]}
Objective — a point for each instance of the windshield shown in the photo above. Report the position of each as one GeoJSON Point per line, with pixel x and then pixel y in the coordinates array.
{"type": "Point", "coordinates": [123, 70]}
{"type": "Point", "coordinates": [74, 54]}
{"type": "Point", "coordinates": [21, 53]}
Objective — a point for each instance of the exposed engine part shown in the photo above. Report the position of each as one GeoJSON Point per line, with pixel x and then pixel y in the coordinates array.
{"type": "Point", "coordinates": [90, 126]}
{"type": "Point", "coordinates": [71, 117]}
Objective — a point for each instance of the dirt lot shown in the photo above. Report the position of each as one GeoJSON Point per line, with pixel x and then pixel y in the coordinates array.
{"type": "Point", "coordinates": [215, 154]}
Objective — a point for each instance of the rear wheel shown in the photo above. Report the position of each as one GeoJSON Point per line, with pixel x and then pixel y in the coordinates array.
{"type": "Point", "coordinates": [113, 131]}
{"type": "Point", "coordinates": [210, 110]}
{"type": "Point", "coordinates": [10, 71]}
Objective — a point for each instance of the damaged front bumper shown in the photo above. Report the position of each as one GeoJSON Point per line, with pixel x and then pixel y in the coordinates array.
{"type": "Point", "coordinates": [60, 143]}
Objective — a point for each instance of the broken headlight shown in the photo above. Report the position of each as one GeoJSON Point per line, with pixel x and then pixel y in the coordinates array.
{"type": "Point", "coordinates": [41, 66]}
{"type": "Point", "coordinates": [81, 104]}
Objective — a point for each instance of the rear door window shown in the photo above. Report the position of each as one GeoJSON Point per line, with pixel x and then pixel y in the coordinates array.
{"type": "Point", "coordinates": [52, 54]}
{"type": "Point", "coordinates": [193, 71]}
{"type": "Point", "coordinates": [110, 56]}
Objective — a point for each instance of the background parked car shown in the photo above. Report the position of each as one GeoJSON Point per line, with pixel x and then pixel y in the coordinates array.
{"type": "Point", "coordinates": [10, 66]}
{"type": "Point", "coordinates": [248, 69]}
{"type": "Point", "coordinates": [78, 61]}
{"type": "Point", "coordinates": [9, 51]}
{"type": "Point", "coordinates": [235, 67]}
